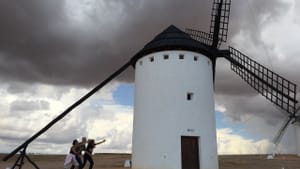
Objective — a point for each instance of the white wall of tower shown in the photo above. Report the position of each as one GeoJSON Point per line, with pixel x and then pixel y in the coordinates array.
{"type": "Point", "coordinates": [163, 113]}
{"type": "Point", "coordinates": [297, 135]}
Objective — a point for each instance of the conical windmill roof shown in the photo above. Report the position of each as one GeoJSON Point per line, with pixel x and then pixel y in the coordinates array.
{"type": "Point", "coordinates": [172, 38]}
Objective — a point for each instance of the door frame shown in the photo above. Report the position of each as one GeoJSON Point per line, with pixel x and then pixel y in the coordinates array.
{"type": "Point", "coordinates": [196, 151]}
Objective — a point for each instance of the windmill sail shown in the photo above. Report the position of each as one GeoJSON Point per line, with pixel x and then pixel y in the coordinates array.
{"type": "Point", "coordinates": [296, 117]}
{"type": "Point", "coordinates": [220, 20]}
{"type": "Point", "coordinates": [290, 120]}
{"type": "Point", "coordinates": [218, 25]}
{"type": "Point", "coordinates": [274, 87]}
{"type": "Point", "coordinates": [200, 36]}
{"type": "Point", "coordinates": [281, 131]}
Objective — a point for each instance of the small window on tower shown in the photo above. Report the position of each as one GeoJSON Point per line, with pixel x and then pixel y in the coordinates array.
{"type": "Point", "coordinates": [141, 63]}
{"type": "Point", "coordinates": [195, 58]}
{"type": "Point", "coordinates": [189, 96]}
{"type": "Point", "coordinates": [151, 59]}
{"type": "Point", "coordinates": [181, 56]}
{"type": "Point", "coordinates": [166, 57]}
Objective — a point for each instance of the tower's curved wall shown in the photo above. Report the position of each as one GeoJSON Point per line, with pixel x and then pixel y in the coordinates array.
{"type": "Point", "coordinates": [174, 97]}
{"type": "Point", "coordinates": [297, 139]}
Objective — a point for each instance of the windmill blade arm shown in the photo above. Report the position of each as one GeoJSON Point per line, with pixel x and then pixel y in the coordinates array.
{"type": "Point", "coordinates": [276, 140]}
{"type": "Point", "coordinates": [272, 86]}
{"type": "Point", "coordinates": [200, 36]}
{"type": "Point", "coordinates": [297, 111]}
{"type": "Point", "coordinates": [68, 110]}
{"type": "Point", "coordinates": [219, 21]}
{"type": "Point", "coordinates": [297, 116]}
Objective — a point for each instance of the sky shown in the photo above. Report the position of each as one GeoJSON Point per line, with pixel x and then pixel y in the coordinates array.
{"type": "Point", "coordinates": [53, 52]}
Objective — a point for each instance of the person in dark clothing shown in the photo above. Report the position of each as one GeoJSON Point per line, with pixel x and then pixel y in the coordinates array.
{"type": "Point", "coordinates": [70, 159]}
{"type": "Point", "coordinates": [89, 151]}
{"type": "Point", "coordinates": [79, 149]}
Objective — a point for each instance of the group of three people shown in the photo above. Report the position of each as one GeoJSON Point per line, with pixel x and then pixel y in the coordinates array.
{"type": "Point", "coordinates": [73, 159]}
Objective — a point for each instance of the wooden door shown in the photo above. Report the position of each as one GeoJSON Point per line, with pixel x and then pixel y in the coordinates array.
{"type": "Point", "coordinates": [190, 152]}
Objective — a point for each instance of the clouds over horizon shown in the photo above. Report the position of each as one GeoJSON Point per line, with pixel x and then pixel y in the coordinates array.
{"type": "Point", "coordinates": [100, 117]}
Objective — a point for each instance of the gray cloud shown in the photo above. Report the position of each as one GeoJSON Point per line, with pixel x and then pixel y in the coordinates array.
{"type": "Point", "coordinates": [239, 106]}
{"type": "Point", "coordinates": [36, 89]}
{"type": "Point", "coordinates": [12, 138]}
{"type": "Point", "coordinates": [25, 106]}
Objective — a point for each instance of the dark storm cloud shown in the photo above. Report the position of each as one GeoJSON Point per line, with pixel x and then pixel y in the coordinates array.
{"type": "Point", "coordinates": [41, 44]}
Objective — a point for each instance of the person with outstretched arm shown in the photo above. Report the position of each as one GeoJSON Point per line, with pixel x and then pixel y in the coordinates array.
{"type": "Point", "coordinates": [89, 151]}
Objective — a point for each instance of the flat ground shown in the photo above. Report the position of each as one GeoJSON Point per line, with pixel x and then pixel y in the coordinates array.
{"type": "Point", "coordinates": [116, 161]}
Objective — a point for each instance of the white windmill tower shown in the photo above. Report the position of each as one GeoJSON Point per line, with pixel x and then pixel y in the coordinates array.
{"type": "Point", "coordinates": [174, 119]}
{"type": "Point", "coordinates": [174, 115]}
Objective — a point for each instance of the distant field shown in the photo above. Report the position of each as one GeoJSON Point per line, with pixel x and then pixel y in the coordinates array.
{"type": "Point", "coordinates": [259, 162]}
{"type": "Point", "coordinates": [116, 161]}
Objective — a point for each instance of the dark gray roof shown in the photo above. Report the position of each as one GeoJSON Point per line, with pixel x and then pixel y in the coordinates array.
{"type": "Point", "coordinates": [172, 38]}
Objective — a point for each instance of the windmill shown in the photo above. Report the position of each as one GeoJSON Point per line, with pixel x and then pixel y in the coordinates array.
{"type": "Point", "coordinates": [174, 76]}
{"type": "Point", "coordinates": [272, 86]}
{"type": "Point", "coordinates": [292, 119]}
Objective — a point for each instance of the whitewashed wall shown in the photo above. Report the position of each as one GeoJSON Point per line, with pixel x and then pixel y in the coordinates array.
{"type": "Point", "coordinates": [162, 113]}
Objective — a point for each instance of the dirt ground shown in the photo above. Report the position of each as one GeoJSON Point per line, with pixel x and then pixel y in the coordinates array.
{"type": "Point", "coordinates": [116, 161]}
{"type": "Point", "coordinates": [259, 162]}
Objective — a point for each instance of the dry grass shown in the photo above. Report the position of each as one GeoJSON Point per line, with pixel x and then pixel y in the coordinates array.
{"type": "Point", "coordinates": [107, 161]}
{"type": "Point", "coordinates": [116, 161]}
{"type": "Point", "coordinates": [259, 162]}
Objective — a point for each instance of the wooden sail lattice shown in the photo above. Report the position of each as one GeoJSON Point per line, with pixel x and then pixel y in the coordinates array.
{"type": "Point", "coordinates": [272, 86]}
{"type": "Point", "coordinates": [220, 18]}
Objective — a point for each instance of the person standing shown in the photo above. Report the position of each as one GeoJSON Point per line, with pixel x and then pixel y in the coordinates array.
{"type": "Point", "coordinates": [70, 159]}
{"type": "Point", "coordinates": [89, 151]}
{"type": "Point", "coordinates": [79, 149]}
